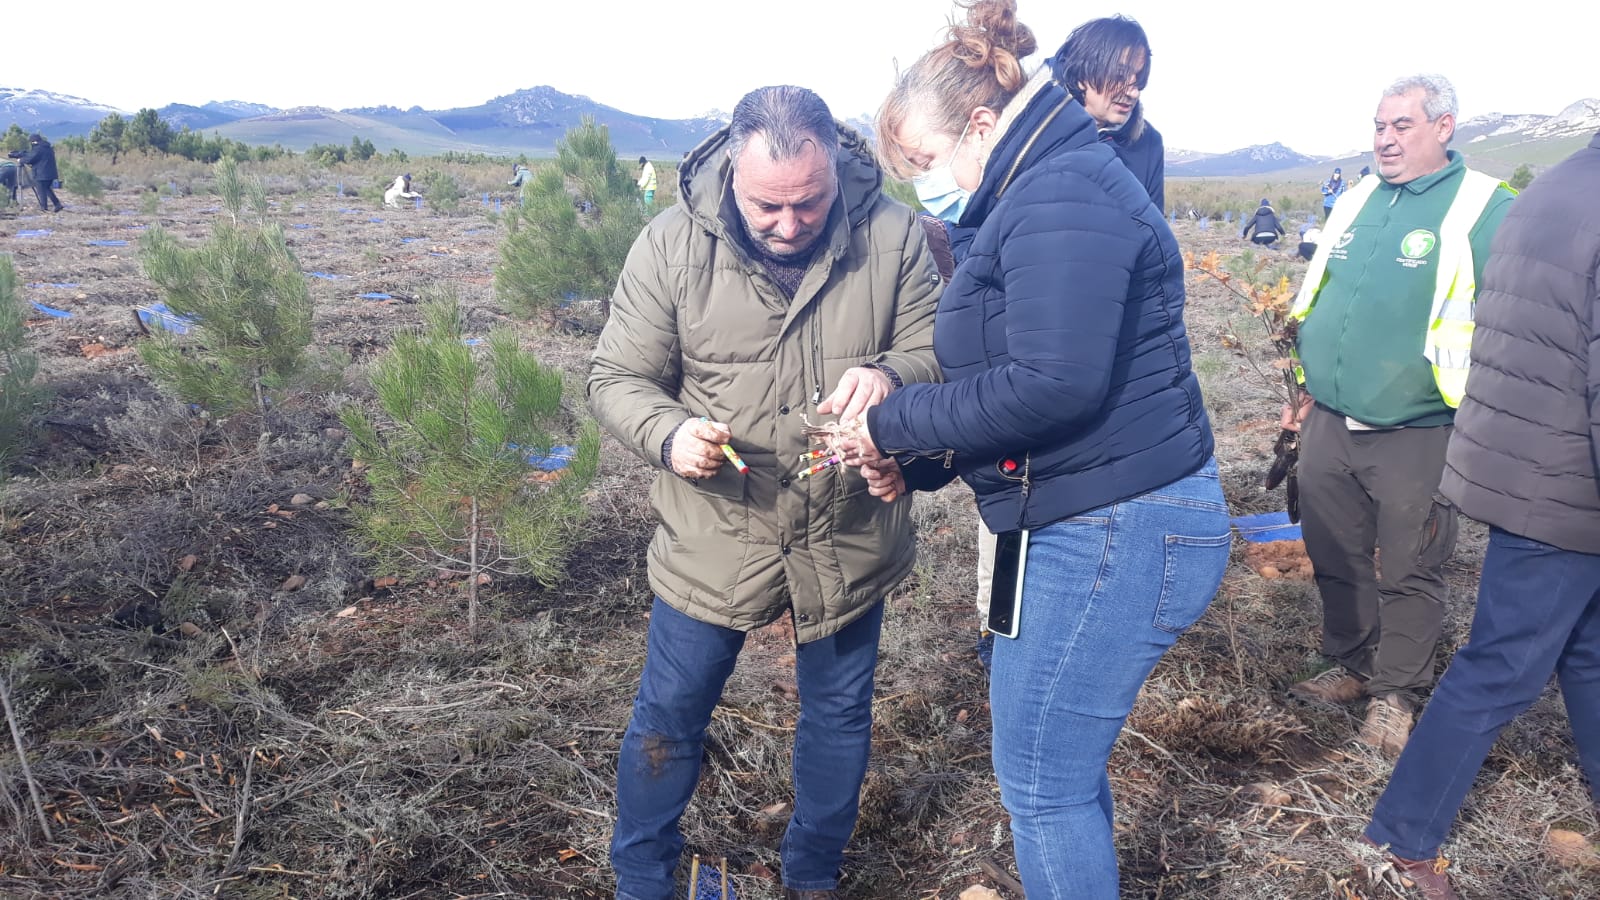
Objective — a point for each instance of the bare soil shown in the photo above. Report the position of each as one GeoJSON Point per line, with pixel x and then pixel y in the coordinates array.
{"type": "Point", "coordinates": [220, 697]}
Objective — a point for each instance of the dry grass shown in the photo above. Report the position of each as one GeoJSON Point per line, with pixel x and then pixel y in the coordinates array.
{"type": "Point", "coordinates": [348, 740]}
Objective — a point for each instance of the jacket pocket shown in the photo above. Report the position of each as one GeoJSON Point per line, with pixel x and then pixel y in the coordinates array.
{"type": "Point", "coordinates": [1194, 568]}
{"type": "Point", "coordinates": [1438, 538]}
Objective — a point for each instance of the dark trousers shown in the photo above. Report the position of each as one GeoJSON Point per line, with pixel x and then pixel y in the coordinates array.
{"type": "Point", "coordinates": [1538, 613]}
{"type": "Point", "coordinates": [1367, 490]}
{"type": "Point", "coordinates": [686, 665]}
{"type": "Point", "coordinates": [46, 195]}
{"type": "Point", "coordinates": [1264, 238]}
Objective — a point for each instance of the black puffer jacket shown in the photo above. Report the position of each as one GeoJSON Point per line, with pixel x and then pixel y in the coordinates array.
{"type": "Point", "coordinates": [1526, 447]}
{"type": "Point", "coordinates": [42, 157]}
{"type": "Point", "coordinates": [1265, 221]}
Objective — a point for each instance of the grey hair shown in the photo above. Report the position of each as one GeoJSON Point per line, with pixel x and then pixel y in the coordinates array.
{"type": "Point", "coordinates": [787, 117]}
{"type": "Point", "coordinates": [1438, 94]}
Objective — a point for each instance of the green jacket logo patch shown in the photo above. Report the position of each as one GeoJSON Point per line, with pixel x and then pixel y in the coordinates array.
{"type": "Point", "coordinates": [1418, 243]}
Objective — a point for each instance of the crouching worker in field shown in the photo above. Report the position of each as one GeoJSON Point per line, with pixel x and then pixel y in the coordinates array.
{"type": "Point", "coordinates": [8, 179]}
{"type": "Point", "coordinates": [1265, 224]}
{"type": "Point", "coordinates": [400, 190]}
{"type": "Point", "coordinates": [1070, 408]}
{"type": "Point", "coordinates": [783, 285]}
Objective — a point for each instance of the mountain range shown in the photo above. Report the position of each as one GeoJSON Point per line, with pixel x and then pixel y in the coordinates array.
{"type": "Point", "coordinates": [530, 122]}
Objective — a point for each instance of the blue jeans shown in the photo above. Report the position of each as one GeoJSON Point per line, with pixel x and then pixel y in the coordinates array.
{"type": "Point", "coordinates": [1105, 594]}
{"type": "Point", "coordinates": [1538, 613]}
{"type": "Point", "coordinates": [688, 663]}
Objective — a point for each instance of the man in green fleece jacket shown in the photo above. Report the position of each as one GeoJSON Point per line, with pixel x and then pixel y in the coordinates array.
{"type": "Point", "coordinates": [1385, 330]}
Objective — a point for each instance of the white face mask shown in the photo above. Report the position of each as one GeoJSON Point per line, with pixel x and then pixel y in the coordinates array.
{"type": "Point", "coordinates": [937, 189]}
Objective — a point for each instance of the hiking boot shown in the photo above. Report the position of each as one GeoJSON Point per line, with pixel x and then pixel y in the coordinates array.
{"type": "Point", "coordinates": [1425, 875]}
{"type": "Point", "coordinates": [1333, 687]}
{"type": "Point", "coordinates": [790, 893]}
{"type": "Point", "coordinates": [1388, 724]}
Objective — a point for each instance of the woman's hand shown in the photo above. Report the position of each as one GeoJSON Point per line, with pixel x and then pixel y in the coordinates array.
{"type": "Point", "coordinates": [857, 447]}
{"type": "Point", "coordinates": [884, 479]}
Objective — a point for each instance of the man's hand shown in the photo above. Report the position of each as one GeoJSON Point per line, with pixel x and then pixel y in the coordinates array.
{"type": "Point", "coordinates": [697, 448]}
{"type": "Point", "coordinates": [859, 388]}
{"type": "Point", "coordinates": [1291, 416]}
{"type": "Point", "coordinates": [884, 480]}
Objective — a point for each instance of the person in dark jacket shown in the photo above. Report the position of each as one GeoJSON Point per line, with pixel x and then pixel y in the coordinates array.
{"type": "Point", "coordinates": [8, 179]}
{"type": "Point", "coordinates": [1524, 459]}
{"type": "Point", "coordinates": [1071, 410]}
{"type": "Point", "coordinates": [1265, 224]}
{"type": "Point", "coordinates": [42, 157]}
{"type": "Point", "coordinates": [1105, 64]}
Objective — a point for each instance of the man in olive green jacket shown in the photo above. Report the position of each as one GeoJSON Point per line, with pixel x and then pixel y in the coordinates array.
{"type": "Point", "coordinates": [784, 286]}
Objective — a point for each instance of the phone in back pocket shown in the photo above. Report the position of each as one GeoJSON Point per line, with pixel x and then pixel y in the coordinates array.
{"type": "Point", "coordinates": [1005, 591]}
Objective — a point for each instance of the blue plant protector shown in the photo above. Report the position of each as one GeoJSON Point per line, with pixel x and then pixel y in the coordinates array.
{"type": "Point", "coordinates": [1266, 528]}
{"type": "Point", "coordinates": [559, 457]}
{"type": "Point", "coordinates": [709, 885]}
{"type": "Point", "coordinates": [55, 313]}
{"type": "Point", "coordinates": [411, 240]}
{"type": "Point", "coordinates": [472, 342]}
{"type": "Point", "coordinates": [35, 232]}
{"type": "Point", "coordinates": [53, 284]}
{"type": "Point", "coordinates": [375, 220]}
{"type": "Point", "coordinates": [160, 316]}
{"type": "Point", "coordinates": [301, 225]}
{"type": "Point", "coordinates": [326, 276]}
{"type": "Point", "coordinates": [376, 295]}
{"type": "Point", "coordinates": [106, 243]}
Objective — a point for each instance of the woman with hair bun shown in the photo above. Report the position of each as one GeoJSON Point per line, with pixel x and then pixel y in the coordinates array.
{"type": "Point", "coordinates": [1070, 408]}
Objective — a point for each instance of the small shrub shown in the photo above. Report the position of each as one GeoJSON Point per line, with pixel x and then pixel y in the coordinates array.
{"type": "Point", "coordinates": [442, 192]}
{"type": "Point", "coordinates": [553, 253]}
{"type": "Point", "coordinates": [81, 180]}
{"type": "Point", "coordinates": [248, 299]}
{"type": "Point", "coordinates": [149, 203]}
{"type": "Point", "coordinates": [1522, 177]}
{"type": "Point", "coordinates": [20, 398]}
{"type": "Point", "coordinates": [452, 491]}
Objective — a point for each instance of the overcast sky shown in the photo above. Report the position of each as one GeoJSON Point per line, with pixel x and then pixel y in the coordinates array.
{"type": "Point", "coordinates": [1226, 74]}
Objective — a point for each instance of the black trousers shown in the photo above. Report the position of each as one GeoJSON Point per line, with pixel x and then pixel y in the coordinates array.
{"type": "Point", "coordinates": [46, 195]}
{"type": "Point", "coordinates": [1362, 491]}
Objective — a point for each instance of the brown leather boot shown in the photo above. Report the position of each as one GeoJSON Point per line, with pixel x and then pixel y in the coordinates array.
{"type": "Point", "coordinates": [1426, 876]}
{"type": "Point", "coordinates": [1388, 724]}
{"type": "Point", "coordinates": [792, 894]}
{"type": "Point", "coordinates": [1333, 687]}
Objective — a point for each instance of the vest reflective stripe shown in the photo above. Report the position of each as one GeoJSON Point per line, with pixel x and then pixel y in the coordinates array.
{"type": "Point", "coordinates": [1447, 345]}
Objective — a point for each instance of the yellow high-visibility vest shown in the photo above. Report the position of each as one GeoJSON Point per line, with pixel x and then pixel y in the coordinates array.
{"type": "Point", "coordinates": [1448, 341]}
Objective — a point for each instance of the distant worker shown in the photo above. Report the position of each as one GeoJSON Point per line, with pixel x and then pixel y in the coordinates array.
{"type": "Point", "coordinates": [1332, 190]}
{"type": "Point", "coordinates": [1365, 171]}
{"type": "Point", "coordinates": [647, 181]}
{"type": "Point", "coordinates": [42, 157]}
{"type": "Point", "coordinates": [400, 190]}
{"type": "Point", "coordinates": [1309, 235]}
{"type": "Point", "coordinates": [1265, 224]}
{"type": "Point", "coordinates": [520, 176]}
{"type": "Point", "coordinates": [8, 179]}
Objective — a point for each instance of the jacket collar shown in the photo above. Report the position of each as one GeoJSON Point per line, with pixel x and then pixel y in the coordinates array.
{"type": "Point", "coordinates": [1452, 169]}
{"type": "Point", "coordinates": [1040, 122]}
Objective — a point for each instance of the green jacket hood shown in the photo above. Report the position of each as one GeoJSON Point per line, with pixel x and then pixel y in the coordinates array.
{"type": "Point", "coordinates": [705, 182]}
